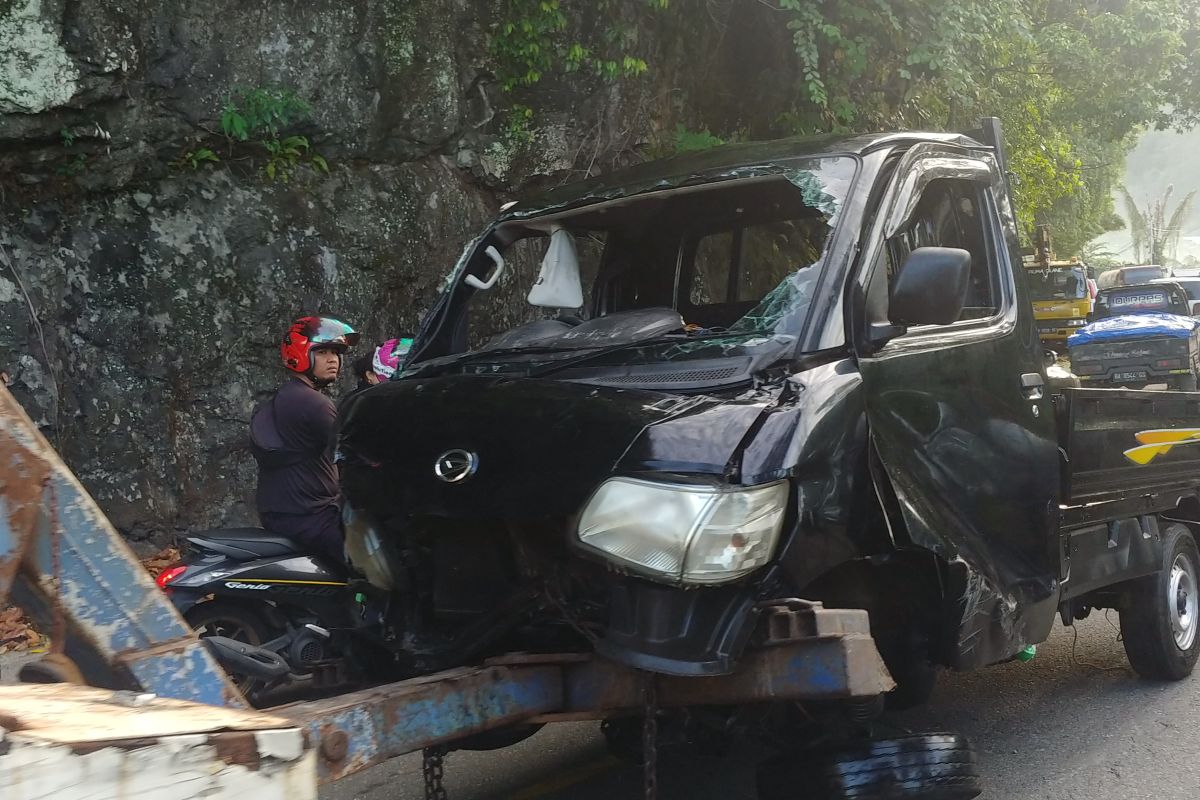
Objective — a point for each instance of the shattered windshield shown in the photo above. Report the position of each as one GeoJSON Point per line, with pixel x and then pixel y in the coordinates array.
{"type": "Point", "coordinates": [736, 259]}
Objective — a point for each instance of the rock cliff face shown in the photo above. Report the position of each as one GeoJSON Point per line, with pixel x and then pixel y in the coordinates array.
{"type": "Point", "coordinates": [142, 291]}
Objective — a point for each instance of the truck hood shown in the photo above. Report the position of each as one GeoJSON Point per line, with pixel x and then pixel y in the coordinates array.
{"type": "Point", "coordinates": [541, 446]}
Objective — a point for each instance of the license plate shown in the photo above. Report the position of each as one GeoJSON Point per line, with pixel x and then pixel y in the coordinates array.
{"type": "Point", "coordinates": [1128, 376]}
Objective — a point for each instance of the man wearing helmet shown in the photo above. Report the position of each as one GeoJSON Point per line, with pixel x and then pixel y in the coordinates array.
{"type": "Point", "coordinates": [291, 439]}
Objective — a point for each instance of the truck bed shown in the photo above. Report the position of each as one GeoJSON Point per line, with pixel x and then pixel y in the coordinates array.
{"type": "Point", "coordinates": [1122, 443]}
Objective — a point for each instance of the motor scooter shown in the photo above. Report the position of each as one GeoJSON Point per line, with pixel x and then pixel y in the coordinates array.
{"type": "Point", "coordinates": [272, 614]}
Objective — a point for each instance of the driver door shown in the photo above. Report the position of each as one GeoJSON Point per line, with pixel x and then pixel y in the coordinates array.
{"type": "Point", "coordinates": [959, 415]}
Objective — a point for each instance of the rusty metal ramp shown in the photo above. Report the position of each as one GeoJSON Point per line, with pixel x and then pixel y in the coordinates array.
{"type": "Point", "coordinates": [65, 564]}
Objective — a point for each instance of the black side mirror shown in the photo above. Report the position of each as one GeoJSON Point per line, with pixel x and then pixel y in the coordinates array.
{"type": "Point", "coordinates": [931, 288]}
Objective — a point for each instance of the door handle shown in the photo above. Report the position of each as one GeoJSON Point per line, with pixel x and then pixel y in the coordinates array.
{"type": "Point", "coordinates": [1032, 385]}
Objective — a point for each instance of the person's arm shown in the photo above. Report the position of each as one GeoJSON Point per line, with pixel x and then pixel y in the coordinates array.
{"type": "Point", "coordinates": [316, 418]}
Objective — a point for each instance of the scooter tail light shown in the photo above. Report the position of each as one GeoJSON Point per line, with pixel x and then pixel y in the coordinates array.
{"type": "Point", "coordinates": [169, 574]}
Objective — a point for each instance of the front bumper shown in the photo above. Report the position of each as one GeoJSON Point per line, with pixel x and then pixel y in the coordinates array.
{"type": "Point", "coordinates": [808, 652]}
{"type": "Point", "coordinates": [675, 631]}
{"type": "Point", "coordinates": [1109, 376]}
{"type": "Point", "coordinates": [1057, 331]}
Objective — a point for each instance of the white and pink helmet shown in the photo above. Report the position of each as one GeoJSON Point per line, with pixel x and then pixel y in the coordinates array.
{"type": "Point", "coordinates": [388, 357]}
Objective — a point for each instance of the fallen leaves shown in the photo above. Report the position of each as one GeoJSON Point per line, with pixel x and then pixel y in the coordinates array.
{"type": "Point", "coordinates": [16, 632]}
{"type": "Point", "coordinates": [167, 557]}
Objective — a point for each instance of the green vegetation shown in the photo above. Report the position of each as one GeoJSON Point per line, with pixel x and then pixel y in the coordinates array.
{"type": "Point", "coordinates": [194, 159]}
{"type": "Point", "coordinates": [260, 116]}
{"type": "Point", "coordinates": [75, 162]}
{"type": "Point", "coordinates": [72, 166]}
{"type": "Point", "coordinates": [687, 141]}
{"type": "Point", "coordinates": [1071, 80]}
{"type": "Point", "coordinates": [1074, 81]}
{"type": "Point", "coordinates": [534, 40]}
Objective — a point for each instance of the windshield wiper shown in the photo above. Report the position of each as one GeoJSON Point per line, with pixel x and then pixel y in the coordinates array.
{"type": "Point", "coordinates": [449, 361]}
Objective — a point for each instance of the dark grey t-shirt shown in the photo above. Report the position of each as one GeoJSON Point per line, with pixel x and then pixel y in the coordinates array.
{"type": "Point", "coordinates": [301, 478]}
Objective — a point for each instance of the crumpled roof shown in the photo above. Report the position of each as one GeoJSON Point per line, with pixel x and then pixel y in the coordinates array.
{"type": "Point", "coordinates": [728, 162]}
{"type": "Point", "coordinates": [1133, 325]}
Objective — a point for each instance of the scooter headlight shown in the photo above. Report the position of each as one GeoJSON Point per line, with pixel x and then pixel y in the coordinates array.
{"type": "Point", "coordinates": [680, 533]}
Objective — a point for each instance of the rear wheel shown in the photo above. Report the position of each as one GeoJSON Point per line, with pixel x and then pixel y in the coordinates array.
{"type": "Point", "coordinates": [1160, 621]}
{"type": "Point", "coordinates": [241, 624]}
{"type": "Point", "coordinates": [1186, 383]}
{"type": "Point", "coordinates": [935, 766]}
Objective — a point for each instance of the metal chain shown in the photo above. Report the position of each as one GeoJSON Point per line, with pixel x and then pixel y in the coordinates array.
{"type": "Point", "coordinates": [650, 740]}
{"type": "Point", "coordinates": [431, 770]}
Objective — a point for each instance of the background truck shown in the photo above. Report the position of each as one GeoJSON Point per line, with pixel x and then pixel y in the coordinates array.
{"type": "Point", "coordinates": [1062, 301]}
{"type": "Point", "coordinates": [1143, 335]}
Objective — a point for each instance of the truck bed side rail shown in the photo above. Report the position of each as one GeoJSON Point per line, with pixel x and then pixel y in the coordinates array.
{"type": "Point", "coordinates": [1122, 443]}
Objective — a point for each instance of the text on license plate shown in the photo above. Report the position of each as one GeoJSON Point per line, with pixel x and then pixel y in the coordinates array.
{"type": "Point", "coordinates": [1129, 376]}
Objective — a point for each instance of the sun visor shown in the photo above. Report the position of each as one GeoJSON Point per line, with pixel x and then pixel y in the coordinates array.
{"type": "Point", "coordinates": [558, 284]}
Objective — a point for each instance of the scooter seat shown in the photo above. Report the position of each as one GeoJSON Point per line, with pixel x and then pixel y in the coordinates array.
{"type": "Point", "coordinates": [245, 543]}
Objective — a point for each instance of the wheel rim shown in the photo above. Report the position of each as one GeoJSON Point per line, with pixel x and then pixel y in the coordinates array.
{"type": "Point", "coordinates": [1181, 597]}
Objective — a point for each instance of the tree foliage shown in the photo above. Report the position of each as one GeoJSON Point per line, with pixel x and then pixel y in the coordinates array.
{"type": "Point", "coordinates": [1072, 80]}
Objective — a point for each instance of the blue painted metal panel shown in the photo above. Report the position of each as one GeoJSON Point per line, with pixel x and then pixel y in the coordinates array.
{"type": "Point", "coordinates": [11, 550]}
{"type": "Point", "coordinates": [102, 585]}
{"type": "Point", "coordinates": [357, 730]}
{"type": "Point", "coordinates": [363, 728]}
{"type": "Point", "coordinates": [184, 673]}
{"type": "Point", "coordinates": [75, 558]}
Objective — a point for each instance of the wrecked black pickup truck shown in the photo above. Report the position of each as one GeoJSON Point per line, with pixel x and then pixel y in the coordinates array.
{"type": "Point", "coordinates": [748, 381]}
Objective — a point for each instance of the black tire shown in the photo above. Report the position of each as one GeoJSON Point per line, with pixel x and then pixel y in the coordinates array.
{"type": "Point", "coordinates": [933, 766]}
{"type": "Point", "coordinates": [1186, 383]}
{"type": "Point", "coordinates": [242, 624]}
{"type": "Point", "coordinates": [51, 668]}
{"type": "Point", "coordinates": [1160, 625]}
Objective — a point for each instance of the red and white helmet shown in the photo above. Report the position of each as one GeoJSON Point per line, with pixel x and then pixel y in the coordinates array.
{"type": "Point", "coordinates": [309, 333]}
{"type": "Point", "coordinates": [388, 357]}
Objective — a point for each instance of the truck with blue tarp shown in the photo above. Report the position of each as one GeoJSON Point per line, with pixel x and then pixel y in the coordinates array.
{"type": "Point", "coordinates": [1142, 336]}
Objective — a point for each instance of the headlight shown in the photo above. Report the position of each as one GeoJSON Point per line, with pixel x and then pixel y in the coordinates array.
{"type": "Point", "coordinates": [681, 533]}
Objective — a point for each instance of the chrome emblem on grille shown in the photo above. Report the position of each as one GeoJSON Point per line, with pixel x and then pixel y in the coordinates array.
{"type": "Point", "coordinates": [455, 466]}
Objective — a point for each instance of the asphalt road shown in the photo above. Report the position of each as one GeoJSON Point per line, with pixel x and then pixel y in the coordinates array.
{"type": "Point", "coordinates": [1072, 723]}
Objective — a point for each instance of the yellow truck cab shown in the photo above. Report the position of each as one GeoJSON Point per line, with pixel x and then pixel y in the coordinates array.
{"type": "Point", "coordinates": [1062, 301]}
